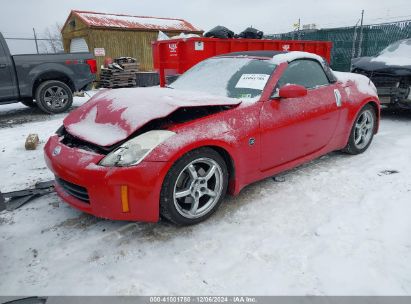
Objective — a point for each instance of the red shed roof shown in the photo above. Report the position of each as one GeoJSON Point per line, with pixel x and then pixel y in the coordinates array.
{"type": "Point", "coordinates": [119, 21]}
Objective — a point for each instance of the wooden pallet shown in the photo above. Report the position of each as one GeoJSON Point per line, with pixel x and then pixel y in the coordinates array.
{"type": "Point", "coordinates": [113, 77]}
{"type": "Point", "coordinates": [117, 86]}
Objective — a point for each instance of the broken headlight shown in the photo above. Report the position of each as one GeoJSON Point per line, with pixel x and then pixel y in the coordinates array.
{"type": "Point", "coordinates": [132, 152]}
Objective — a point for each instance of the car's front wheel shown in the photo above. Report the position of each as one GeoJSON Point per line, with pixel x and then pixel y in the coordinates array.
{"type": "Point", "coordinates": [362, 131]}
{"type": "Point", "coordinates": [194, 187]}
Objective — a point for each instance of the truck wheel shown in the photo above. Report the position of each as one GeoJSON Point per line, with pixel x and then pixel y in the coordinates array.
{"type": "Point", "coordinates": [54, 97]}
{"type": "Point", "coordinates": [28, 102]}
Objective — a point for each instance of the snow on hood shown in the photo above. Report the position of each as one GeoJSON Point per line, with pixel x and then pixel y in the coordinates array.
{"type": "Point", "coordinates": [398, 54]}
{"type": "Point", "coordinates": [363, 83]}
{"type": "Point", "coordinates": [113, 115]}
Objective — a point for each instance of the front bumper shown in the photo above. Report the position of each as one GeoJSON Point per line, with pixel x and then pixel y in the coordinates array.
{"type": "Point", "coordinates": [78, 169]}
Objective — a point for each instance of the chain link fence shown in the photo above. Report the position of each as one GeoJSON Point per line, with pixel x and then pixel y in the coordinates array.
{"type": "Point", "coordinates": [355, 41]}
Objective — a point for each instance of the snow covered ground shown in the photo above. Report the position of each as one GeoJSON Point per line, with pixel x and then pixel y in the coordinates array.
{"type": "Point", "coordinates": [339, 225]}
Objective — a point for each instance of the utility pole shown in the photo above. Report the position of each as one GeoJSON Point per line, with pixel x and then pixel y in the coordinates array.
{"type": "Point", "coordinates": [354, 40]}
{"type": "Point", "coordinates": [299, 27]}
{"type": "Point", "coordinates": [361, 34]}
{"type": "Point", "coordinates": [35, 40]}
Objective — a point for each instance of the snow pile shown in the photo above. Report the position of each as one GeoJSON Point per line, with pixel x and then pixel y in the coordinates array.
{"type": "Point", "coordinates": [102, 133]}
{"type": "Point", "coordinates": [290, 56]}
{"type": "Point", "coordinates": [162, 36]}
{"type": "Point", "coordinates": [363, 83]}
{"type": "Point", "coordinates": [185, 36]}
{"type": "Point", "coordinates": [398, 54]}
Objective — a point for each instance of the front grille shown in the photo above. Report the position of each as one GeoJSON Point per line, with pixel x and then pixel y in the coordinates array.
{"type": "Point", "coordinates": [74, 190]}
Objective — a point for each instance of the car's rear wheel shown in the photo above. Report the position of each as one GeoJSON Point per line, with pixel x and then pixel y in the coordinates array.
{"type": "Point", "coordinates": [362, 131]}
{"type": "Point", "coordinates": [194, 187]}
{"type": "Point", "coordinates": [54, 97]}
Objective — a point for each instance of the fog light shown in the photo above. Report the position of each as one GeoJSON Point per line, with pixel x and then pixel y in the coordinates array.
{"type": "Point", "coordinates": [124, 199]}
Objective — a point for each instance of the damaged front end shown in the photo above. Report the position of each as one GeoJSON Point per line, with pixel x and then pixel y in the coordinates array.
{"type": "Point", "coordinates": [178, 117]}
{"type": "Point", "coordinates": [120, 181]}
{"type": "Point", "coordinates": [390, 71]}
{"type": "Point", "coordinates": [394, 90]}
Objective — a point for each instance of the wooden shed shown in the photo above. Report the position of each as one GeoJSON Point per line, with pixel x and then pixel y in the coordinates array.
{"type": "Point", "coordinates": [114, 35]}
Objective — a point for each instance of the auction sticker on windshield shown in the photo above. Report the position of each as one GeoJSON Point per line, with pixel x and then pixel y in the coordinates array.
{"type": "Point", "coordinates": [252, 81]}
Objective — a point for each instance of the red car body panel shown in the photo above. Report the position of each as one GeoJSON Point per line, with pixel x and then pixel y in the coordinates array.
{"type": "Point", "coordinates": [283, 138]}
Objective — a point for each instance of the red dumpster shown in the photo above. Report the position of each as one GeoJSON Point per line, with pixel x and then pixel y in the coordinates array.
{"type": "Point", "coordinates": [176, 56]}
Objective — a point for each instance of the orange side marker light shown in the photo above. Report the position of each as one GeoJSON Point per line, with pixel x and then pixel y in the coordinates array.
{"type": "Point", "coordinates": [124, 199]}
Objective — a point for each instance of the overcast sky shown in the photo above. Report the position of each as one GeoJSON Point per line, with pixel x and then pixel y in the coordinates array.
{"type": "Point", "coordinates": [18, 17]}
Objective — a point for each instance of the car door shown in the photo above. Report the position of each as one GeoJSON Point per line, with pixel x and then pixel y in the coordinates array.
{"type": "Point", "coordinates": [296, 127]}
{"type": "Point", "coordinates": [7, 86]}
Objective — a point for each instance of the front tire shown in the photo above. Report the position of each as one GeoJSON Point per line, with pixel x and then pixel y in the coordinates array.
{"type": "Point", "coordinates": [362, 131]}
{"type": "Point", "coordinates": [194, 187]}
{"type": "Point", "coordinates": [54, 97]}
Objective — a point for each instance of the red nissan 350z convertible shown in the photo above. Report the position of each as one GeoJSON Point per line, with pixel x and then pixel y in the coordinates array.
{"type": "Point", "coordinates": [141, 153]}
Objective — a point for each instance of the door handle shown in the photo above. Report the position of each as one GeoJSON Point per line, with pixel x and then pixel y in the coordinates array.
{"type": "Point", "coordinates": [3, 66]}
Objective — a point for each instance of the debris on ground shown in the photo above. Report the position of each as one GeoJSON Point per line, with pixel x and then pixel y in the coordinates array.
{"type": "Point", "coordinates": [35, 253]}
{"type": "Point", "coordinates": [388, 172]}
{"type": "Point", "coordinates": [79, 94]}
{"type": "Point", "coordinates": [279, 179]}
{"type": "Point", "coordinates": [2, 203]}
{"type": "Point", "coordinates": [13, 200]}
{"type": "Point", "coordinates": [32, 142]}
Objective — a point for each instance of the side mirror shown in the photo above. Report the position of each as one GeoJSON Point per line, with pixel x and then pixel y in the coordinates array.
{"type": "Point", "coordinates": [292, 91]}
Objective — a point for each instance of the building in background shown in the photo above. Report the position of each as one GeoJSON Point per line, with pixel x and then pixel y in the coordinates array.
{"type": "Point", "coordinates": [113, 35]}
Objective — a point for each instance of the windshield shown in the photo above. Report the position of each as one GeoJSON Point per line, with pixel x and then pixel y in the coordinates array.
{"type": "Point", "coordinates": [243, 78]}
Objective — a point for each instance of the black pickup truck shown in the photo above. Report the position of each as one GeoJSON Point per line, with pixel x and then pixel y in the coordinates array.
{"type": "Point", "coordinates": [46, 81]}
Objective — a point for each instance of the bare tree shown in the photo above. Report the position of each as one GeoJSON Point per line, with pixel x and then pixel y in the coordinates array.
{"type": "Point", "coordinates": [54, 42]}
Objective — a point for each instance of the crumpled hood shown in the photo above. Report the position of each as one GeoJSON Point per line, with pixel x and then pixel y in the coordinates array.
{"type": "Point", "coordinates": [374, 64]}
{"type": "Point", "coordinates": [112, 115]}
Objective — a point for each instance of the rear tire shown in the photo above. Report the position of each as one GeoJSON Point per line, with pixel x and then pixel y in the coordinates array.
{"type": "Point", "coordinates": [54, 97]}
{"type": "Point", "coordinates": [362, 131]}
{"type": "Point", "coordinates": [194, 187]}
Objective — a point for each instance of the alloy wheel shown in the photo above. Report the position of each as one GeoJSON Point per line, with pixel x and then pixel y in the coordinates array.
{"type": "Point", "coordinates": [198, 188]}
{"type": "Point", "coordinates": [56, 97]}
{"type": "Point", "coordinates": [364, 128]}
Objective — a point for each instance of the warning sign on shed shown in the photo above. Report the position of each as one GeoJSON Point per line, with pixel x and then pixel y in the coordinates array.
{"type": "Point", "coordinates": [99, 52]}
